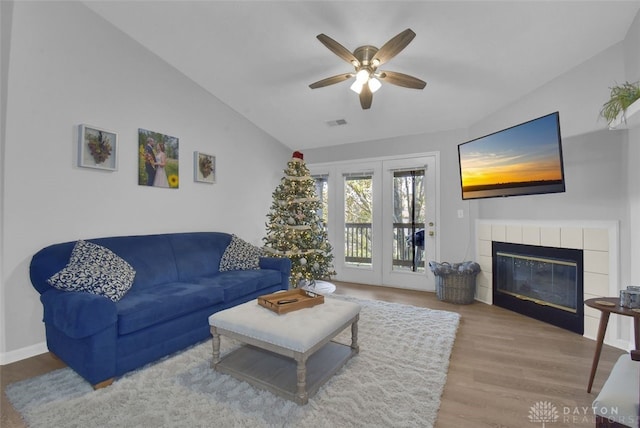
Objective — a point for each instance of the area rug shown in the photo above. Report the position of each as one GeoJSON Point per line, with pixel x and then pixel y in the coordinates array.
{"type": "Point", "coordinates": [396, 380]}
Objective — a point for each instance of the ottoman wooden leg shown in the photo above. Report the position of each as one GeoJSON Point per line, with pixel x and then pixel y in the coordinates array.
{"type": "Point", "coordinates": [303, 396]}
{"type": "Point", "coordinates": [215, 342]}
{"type": "Point", "coordinates": [354, 334]}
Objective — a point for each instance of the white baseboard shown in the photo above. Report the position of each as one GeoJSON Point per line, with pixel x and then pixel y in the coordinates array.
{"type": "Point", "coordinates": [23, 353]}
{"type": "Point", "coordinates": [616, 343]}
{"type": "Point", "coordinates": [621, 344]}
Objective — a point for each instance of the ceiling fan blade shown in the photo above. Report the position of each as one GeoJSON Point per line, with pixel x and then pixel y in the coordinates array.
{"type": "Point", "coordinates": [394, 46]}
{"type": "Point", "coordinates": [401, 79]}
{"type": "Point", "coordinates": [338, 49]}
{"type": "Point", "coordinates": [331, 80]}
{"type": "Point", "coordinates": [366, 97]}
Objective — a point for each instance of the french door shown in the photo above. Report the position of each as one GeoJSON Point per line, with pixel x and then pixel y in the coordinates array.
{"type": "Point", "coordinates": [409, 213]}
{"type": "Point", "coordinates": [382, 219]}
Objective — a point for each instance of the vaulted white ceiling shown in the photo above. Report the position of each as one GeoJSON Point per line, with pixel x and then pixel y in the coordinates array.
{"type": "Point", "coordinates": [259, 57]}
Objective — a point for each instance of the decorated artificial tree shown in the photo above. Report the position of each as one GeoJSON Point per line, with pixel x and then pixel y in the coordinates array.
{"type": "Point", "coordinates": [295, 229]}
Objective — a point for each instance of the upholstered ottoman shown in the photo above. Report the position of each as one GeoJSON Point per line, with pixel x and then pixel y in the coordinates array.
{"type": "Point", "coordinates": [617, 403]}
{"type": "Point", "coordinates": [292, 354]}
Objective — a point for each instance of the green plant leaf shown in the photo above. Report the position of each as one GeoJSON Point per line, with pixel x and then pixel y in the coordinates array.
{"type": "Point", "coordinates": [621, 97]}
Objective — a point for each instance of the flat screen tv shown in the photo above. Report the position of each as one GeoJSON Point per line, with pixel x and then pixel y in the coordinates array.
{"type": "Point", "coordinates": [525, 159]}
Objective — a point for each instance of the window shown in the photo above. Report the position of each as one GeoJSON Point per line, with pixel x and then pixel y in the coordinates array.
{"type": "Point", "coordinates": [358, 215]}
{"type": "Point", "coordinates": [408, 220]}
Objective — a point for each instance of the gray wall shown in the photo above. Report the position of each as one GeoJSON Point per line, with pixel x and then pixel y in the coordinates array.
{"type": "Point", "coordinates": [66, 66]}
{"type": "Point", "coordinates": [632, 74]}
{"type": "Point", "coordinates": [595, 176]}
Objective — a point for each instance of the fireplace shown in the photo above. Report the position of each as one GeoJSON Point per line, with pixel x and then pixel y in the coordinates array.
{"type": "Point", "coordinates": [545, 283]}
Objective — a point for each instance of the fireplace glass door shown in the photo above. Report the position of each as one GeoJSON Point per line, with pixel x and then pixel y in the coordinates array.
{"type": "Point", "coordinates": [541, 280]}
{"type": "Point", "coordinates": [545, 283]}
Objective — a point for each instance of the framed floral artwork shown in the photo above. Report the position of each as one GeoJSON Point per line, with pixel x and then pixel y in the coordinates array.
{"type": "Point", "coordinates": [204, 167]}
{"type": "Point", "coordinates": [97, 148]}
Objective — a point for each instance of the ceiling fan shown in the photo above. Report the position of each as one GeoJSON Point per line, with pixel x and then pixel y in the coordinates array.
{"type": "Point", "coordinates": [366, 60]}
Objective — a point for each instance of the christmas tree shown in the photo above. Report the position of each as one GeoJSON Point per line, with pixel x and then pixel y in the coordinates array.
{"type": "Point", "coordinates": [295, 229]}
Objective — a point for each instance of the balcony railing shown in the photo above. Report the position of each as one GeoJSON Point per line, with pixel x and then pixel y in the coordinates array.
{"type": "Point", "coordinates": [357, 239]}
{"type": "Point", "coordinates": [357, 243]}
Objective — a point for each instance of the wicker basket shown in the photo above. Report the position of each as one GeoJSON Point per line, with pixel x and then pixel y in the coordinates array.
{"type": "Point", "coordinates": [457, 283]}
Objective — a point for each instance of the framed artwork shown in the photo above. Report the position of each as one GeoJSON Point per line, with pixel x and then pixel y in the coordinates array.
{"type": "Point", "coordinates": [97, 148]}
{"type": "Point", "coordinates": [204, 168]}
{"type": "Point", "coordinates": [158, 160]}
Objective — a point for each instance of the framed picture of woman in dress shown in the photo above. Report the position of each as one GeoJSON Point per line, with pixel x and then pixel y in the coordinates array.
{"type": "Point", "coordinates": [158, 160]}
{"type": "Point", "coordinates": [204, 168]}
{"type": "Point", "coordinates": [97, 148]}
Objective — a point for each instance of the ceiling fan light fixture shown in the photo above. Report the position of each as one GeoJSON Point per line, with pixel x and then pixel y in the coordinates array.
{"type": "Point", "coordinates": [374, 84]}
{"type": "Point", "coordinates": [366, 59]}
{"type": "Point", "coordinates": [362, 76]}
{"type": "Point", "coordinates": [356, 87]}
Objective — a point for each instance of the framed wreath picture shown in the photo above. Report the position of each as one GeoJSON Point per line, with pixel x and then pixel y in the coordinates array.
{"type": "Point", "coordinates": [204, 168]}
{"type": "Point", "coordinates": [97, 148]}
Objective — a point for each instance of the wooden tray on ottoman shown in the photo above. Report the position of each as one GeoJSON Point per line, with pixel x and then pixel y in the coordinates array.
{"type": "Point", "coordinates": [289, 301]}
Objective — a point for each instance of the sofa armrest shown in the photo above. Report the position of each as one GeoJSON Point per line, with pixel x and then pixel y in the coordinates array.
{"type": "Point", "coordinates": [282, 264]}
{"type": "Point", "coordinates": [78, 314]}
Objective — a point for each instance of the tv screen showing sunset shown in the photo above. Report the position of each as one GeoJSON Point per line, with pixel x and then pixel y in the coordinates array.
{"type": "Point", "coordinates": [521, 160]}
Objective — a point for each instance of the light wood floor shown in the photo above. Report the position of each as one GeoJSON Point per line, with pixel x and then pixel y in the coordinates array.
{"type": "Point", "coordinates": [502, 364]}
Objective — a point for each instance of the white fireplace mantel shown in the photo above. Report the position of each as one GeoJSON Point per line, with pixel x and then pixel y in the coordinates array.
{"type": "Point", "coordinates": [599, 241]}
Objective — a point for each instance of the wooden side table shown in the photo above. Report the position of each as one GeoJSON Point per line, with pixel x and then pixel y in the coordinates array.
{"type": "Point", "coordinates": [608, 306]}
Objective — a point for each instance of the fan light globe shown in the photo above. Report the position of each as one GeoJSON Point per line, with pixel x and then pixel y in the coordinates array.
{"type": "Point", "coordinates": [357, 87]}
{"type": "Point", "coordinates": [362, 76]}
{"type": "Point", "coordinates": [374, 84]}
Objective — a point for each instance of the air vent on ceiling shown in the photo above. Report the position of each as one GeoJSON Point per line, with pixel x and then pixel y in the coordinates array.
{"type": "Point", "coordinates": [337, 122]}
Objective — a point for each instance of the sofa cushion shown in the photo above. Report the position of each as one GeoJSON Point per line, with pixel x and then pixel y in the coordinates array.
{"type": "Point", "coordinates": [95, 269]}
{"type": "Point", "coordinates": [240, 255]}
{"type": "Point", "coordinates": [236, 284]}
{"type": "Point", "coordinates": [145, 307]}
{"type": "Point", "coordinates": [198, 254]}
{"type": "Point", "coordinates": [152, 256]}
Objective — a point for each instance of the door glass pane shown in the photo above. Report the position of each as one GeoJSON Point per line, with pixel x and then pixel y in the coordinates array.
{"type": "Point", "coordinates": [358, 215]}
{"type": "Point", "coordinates": [408, 221]}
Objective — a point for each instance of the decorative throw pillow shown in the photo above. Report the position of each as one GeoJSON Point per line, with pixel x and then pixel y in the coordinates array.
{"type": "Point", "coordinates": [240, 255]}
{"type": "Point", "coordinates": [95, 269]}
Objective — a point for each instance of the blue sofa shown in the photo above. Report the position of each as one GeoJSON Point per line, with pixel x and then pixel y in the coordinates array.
{"type": "Point", "coordinates": [177, 285]}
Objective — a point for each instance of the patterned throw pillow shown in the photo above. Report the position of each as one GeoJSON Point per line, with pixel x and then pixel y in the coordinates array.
{"type": "Point", "coordinates": [95, 269]}
{"type": "Point", "coordinates": [240, 255]}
